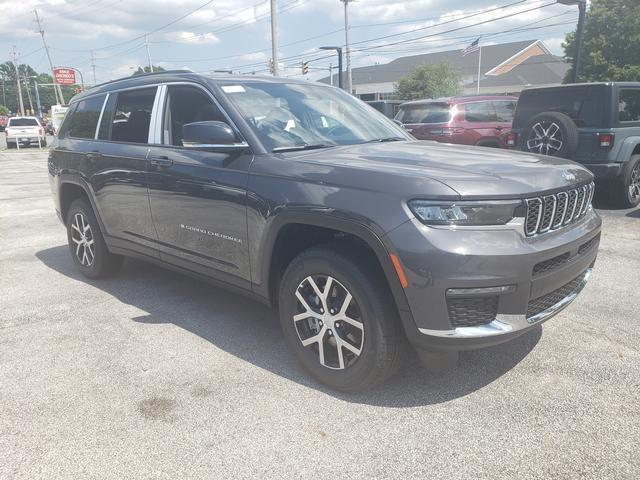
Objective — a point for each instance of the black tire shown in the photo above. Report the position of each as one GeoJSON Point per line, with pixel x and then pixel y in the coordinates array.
{"type": "Point", "coordinates": [101, 263]}
{"type": "Point", "coordinates": [561, 142]}
{"type": "Point", "coordinates": [626, 189]}
{"type": "Point", "coordinates": [382, 344]}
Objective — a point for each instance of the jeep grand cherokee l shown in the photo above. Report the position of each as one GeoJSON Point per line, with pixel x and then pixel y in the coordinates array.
{"type": "Point", "coordinates": [305, 198]}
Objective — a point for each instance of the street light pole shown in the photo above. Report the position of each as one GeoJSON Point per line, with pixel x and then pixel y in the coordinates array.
{"type": "Point", "coordinates": [38, 105]}
{"type": "Point", "coordinates": [339, 51]}
{"type": "Point", "coordinates": [582, 8]}
{"type": "Point", "coordinates": [274, 36]}
{"type": "Point", "coordinates": [347, 45]}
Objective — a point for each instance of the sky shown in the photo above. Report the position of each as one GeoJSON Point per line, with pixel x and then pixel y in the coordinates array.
{"type": "Point", "coordinates": [235, 34]}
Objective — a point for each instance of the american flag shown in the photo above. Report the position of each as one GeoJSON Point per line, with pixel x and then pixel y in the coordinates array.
{"type": "Point", "coordinates": [473, 47]}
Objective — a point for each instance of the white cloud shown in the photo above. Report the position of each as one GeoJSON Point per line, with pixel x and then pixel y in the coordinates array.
{"type": "Point", "coordinates": [196, 38]}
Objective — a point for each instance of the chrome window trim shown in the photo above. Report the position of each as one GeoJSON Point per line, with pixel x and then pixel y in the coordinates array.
{"type": "Point", "coordinates": [104, 104]}
{"type": "Point", "coordinates": [153, 122]}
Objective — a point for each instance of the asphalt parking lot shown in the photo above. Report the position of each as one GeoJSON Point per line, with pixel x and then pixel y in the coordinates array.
{"type": "Point", "coordinates": [154, 375]}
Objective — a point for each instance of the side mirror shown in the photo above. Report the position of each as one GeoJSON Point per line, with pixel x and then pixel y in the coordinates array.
{"type": "Point", "coordinates": [208, 134]}
{"type": "Point", "coordinates": [398, 122]}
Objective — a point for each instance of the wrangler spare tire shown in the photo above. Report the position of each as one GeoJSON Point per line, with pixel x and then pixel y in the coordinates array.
{"type": "Point", "coordinates": [551, 133]}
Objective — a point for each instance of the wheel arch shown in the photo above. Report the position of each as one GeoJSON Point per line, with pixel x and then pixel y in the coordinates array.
{"type": "Point", "coordinates": [72, 188]}
{"type": "Point", "coordinates": [272, 264]}
{"type": "Point", "coordinates": [630, 147]}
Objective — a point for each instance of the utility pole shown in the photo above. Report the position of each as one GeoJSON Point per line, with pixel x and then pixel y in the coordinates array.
{"type": "Point", "coordinates": [582, 13]}
{"type": "Point", "coordinates": [4, 95]}
{"type": "Point", "coordinates": [26, 85]}
{"type": "Point", "coordinates": [331, 74]}
{"type": "Point", "coordinates": [93, 67]}
{"type": "Point", "coordinates": [146, 44]}
{"type": "Point", "coordinates": [57, 89]}
{"type": "Point", "coordinates": [347, 45]}
{"type": "Point", "coordinates": [15, 64]}
{"type": "Point", "coordinates": [274, 36]}
{"type": "Point", "coordinates": [38, 104]}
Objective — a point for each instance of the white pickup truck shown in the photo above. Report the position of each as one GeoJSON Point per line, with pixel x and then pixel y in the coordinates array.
{"type": "Point", "coordinates": [24, 131]}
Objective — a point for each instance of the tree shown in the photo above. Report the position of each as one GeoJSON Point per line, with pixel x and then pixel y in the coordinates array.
{"type": "Point", "coordinates": [609, 46]}
{"type": "Point", "coordinates": [3, 110]}
{"type": "Point", "coordinates": [429, 81]}
{"type": "Point", "coordinates": [142, 70]}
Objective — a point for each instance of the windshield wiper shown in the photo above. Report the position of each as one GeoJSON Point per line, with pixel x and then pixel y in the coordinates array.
{"type": "Point", "coordinates": [386, 139]}
{"type": "Point", "coordinates": [306, 146]}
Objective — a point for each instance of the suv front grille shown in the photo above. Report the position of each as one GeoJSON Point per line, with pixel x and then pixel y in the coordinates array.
{"type": "Point", "coordinates": [472, 311]}
{"type": "Point", "coordinates": [555, 211]}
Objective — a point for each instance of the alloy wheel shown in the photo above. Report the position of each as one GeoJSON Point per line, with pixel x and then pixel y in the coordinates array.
{"type": "Point", "coordinates": [634, 183]}
{"type": "Point", "coordinates": [329, 321]}
{"type": "Point", "coordinates": [545, 138]}
{"type": "Point", "coordinates": [82, 237]}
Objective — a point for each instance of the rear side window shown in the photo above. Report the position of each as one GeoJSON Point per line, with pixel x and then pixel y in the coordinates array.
{"type": "Point", "coordinates": [505, 111]}
{"type": "Point", "coordinates": [133, 116]}
{"type": "Point", "coordinates": [629, 105]}
{"type": "Point", "coordinates": [586, 105]}
{"type": "Point", "coordinates": [84, 119]}
{"type": "Point", "coordinates": [480, 112]}
{"type": "Point", "coordinates": [23, 122]}
{"type": "Point", "coordinates": [428, 113]}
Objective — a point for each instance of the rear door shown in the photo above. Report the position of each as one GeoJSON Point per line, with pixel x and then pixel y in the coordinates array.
{"type": "Point", "coordinates": [505, 110]}
{"type": "Point", "coordinates": [119, 170]}
{"type": "Point", "coordinates": [198, 196]}
{"type": "Point", "coordinates": [480, 123]}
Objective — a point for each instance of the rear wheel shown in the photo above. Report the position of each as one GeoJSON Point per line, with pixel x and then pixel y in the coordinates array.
{"type": "Point", "coordinates": [627, 187]}
{"type": "Point", "coordinates": [86, 243]}
{"type": "Point", "coordinates": [338, 318]}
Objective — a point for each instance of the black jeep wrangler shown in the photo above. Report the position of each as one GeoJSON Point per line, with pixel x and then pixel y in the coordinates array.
{"type": "Point", "coordinates": [597, 125]}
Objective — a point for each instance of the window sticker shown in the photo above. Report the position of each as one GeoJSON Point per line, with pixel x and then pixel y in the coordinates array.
{"type": "Point", "coordinates": [233, 89]}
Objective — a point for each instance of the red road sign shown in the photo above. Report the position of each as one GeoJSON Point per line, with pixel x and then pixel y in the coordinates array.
{"type": "Point", "coordinates": [65, 76]}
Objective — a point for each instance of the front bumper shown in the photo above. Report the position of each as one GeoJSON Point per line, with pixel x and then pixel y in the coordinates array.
{"type": "Point", "coordinates": [437, 260]}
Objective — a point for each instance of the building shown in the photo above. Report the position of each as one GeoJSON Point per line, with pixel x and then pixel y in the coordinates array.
{"type": "Point", "coordinates": [506, 68]}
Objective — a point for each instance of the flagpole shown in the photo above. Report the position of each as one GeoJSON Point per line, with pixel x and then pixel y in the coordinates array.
{"type": "Point", "coordinates": [479, 66]}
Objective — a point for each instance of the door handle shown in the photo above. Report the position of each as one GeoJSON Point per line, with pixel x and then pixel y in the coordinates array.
{"type": "Point", "coordinates": [161, 161]}
{"type": "Point", "coordinates": [92, 157]}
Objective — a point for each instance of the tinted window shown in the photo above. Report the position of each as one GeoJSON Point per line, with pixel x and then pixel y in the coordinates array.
{"type": "Point", "coordinates": [133, 116]}
{"type": "Point", "coordinates": [585, 105]}
{"type": "Point", "coordinates": [504, 111]}
{"type": "Point", "coordinates": [629, 105]}
{"type": "Point", "coordinates": [428, 113]}
{"type": "Point", "coordinates": [187, 105]}
{"type": "Point", "coordinates": [480, 112]}
{"type": "Point", "coordinates": [23, 122]}
{"type": "Point", "coordinates": [64, 127]}
{"type": "Point", "coordinates": [84, 120]}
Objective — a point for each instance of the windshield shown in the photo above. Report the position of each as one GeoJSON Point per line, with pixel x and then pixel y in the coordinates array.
{"type": "Point", "coordinates": [426, 113]}
{"type": "Point", "coordinates": [297, 115]}
{"type": "Point", "coordinates": [23, 122]}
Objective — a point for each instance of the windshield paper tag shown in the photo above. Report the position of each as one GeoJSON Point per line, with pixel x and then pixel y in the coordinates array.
{"type": "Point", "coordinates": [233, 89]}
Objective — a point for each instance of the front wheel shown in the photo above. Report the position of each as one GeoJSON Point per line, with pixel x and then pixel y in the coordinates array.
{"type": "Point", "coordinates": [339, 319]}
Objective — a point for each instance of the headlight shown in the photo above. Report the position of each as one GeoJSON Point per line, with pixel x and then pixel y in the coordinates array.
{"type": "Point", "coordinates": [465, 213]}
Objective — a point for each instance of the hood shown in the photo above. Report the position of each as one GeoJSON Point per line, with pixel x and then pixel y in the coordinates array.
{"type": "Point", "coordinates": [473, 172]}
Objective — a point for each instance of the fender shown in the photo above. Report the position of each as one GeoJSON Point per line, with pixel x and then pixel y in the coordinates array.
{"type": "Point", "coordinates": [328, 218]}
{"type": "Point", "coordinates": [68, 178]}
{"type": "Point", "coordinates": [627, 148]}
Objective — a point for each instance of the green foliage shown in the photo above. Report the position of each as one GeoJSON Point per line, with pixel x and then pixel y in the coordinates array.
{"type": "Point", "coordinates": [610, 43]}
{"type": "Point", "coordinates": [429, 81]}
{"type": "Point", "coordinates": [3, 110]}
{"type": "Point", "coordinates": [142, 70]}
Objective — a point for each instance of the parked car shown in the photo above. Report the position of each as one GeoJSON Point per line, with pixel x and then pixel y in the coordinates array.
{"type": "Point", "coordinates": [480, 120]}
{"type": "Point", "coordinates": [301, 197]}
{"type": "Point", "coordinates": [389, 108]}
{"type": "Point", "coordinates": [3, 122]}
{"type": "Point", "coordinates": [597, 125]}
{"type": "Point", "coordinates": [25, 131]}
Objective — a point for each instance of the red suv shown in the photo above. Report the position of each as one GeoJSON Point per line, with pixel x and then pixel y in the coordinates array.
{"type": "Point", "coordinates": [481, 120]}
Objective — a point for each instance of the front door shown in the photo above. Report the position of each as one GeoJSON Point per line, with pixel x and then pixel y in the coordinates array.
{"type": "Point", "coordinates": [198, 196]}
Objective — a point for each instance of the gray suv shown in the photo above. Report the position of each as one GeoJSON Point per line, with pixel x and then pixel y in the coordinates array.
{"type": "Point", "coordinates": [596, 124]}
{"type": "Point", "coordinates": [306, 199]}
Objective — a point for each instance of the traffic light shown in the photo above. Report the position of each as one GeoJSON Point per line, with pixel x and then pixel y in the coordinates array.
{"type": "Point", "coordinates": [305, 68]}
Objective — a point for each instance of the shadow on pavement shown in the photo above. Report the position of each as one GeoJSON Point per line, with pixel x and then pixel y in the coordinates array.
{"type": "Point", "coordinates": [251, 332]}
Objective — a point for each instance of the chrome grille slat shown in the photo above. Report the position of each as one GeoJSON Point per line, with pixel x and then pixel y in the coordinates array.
{"type": "Point", "coordinates": [551, 212]}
